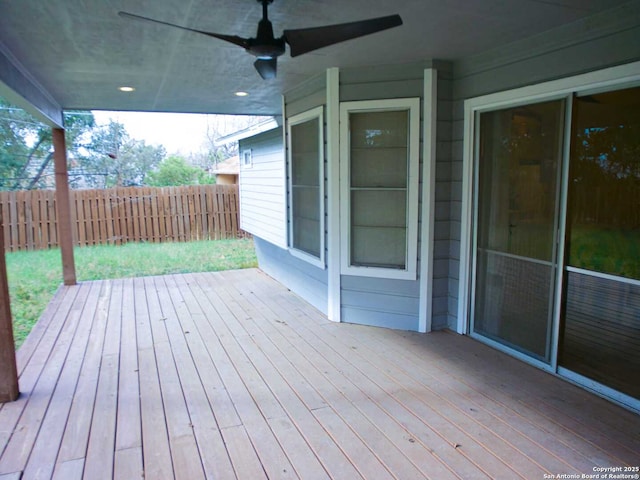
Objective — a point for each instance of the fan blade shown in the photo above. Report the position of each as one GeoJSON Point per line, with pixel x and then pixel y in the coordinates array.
{"type": "Point", "coordinates": [239, 41]}
{"type": "Point", "coordinates": [305, 40]}
{"type": "Point", "coordinates": [267, 68]}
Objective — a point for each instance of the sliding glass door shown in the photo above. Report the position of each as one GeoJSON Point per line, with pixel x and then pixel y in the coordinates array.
{"type": "Point", "coordinates": [570, 303]}
{"type": "Point", "coordinates": [601, 303]}
{"type": "Point", "coordinates": [518, 178]}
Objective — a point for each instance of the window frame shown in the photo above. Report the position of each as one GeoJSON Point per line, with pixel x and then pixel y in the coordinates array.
{"type": "Point", "coordinates": [247, 158]}
{"type": "Point", "coordinates": [412, 106]}
{"type": "Point", "coordinates": [316, 113]}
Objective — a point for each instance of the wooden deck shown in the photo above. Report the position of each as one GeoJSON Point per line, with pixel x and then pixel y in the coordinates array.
{"type": "Point", "coordinates": [230, 375]}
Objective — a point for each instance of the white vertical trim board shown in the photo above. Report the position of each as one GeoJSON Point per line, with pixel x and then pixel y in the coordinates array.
{"type": "Point", "coordinates": [332, 153]}
{"type": "Point", "coordinates": [425, 311]}
{"type": "Point", "coordinates": [285, 184]}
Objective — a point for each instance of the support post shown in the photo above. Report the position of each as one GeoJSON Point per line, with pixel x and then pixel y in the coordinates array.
{"type": "Point", "coordinates": [63, 207]}
{"type": "Point", "coordinates": [8, 370]}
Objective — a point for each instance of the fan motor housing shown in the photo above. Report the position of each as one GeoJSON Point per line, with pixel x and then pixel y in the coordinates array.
{"type": "Point", "coordinates": [272, 49]}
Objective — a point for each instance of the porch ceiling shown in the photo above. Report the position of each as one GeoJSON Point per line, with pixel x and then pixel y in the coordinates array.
{"type": "Point", "coordinates": [230, 375]}
{"type": "Point", "coordinates": [80, 52]}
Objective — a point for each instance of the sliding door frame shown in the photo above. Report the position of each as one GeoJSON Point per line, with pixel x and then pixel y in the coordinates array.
{"type": "Point", "coordinates": [557, 250]}
{"type": "Point", "coordinates": [613, 78]}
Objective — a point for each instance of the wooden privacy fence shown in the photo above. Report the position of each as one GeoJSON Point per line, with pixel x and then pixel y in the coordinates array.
{"type": "Point", "coordinates": [121, 215]}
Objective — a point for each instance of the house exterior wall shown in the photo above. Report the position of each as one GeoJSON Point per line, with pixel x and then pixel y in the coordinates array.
{"type": "Point", "coordinates": [263, 201]}
{"type": "Point", "coordinates": [226, 179]}
{"type": "Point", "coordinates": [262, 188]}
{"type": "Point", "coordinates": [445, 200]}
{"type": "Point", "coordinates": [444, 209]}
{"type": "Point", "coordinates": [297, 275]}
{"type": "Point", "coordinates": [310, 94]}
{"type": "Point", "coordinates": [608, 39]}
{"type": "Point", "coordinates": [394, 303]}
{"type": "Point", "coordinates": [383, 302]}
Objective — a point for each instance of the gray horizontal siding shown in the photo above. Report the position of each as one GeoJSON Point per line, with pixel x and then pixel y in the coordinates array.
{"type": "Point", "coordinates": [606, 39]}
{"type": "Point", "coordinates": [382, 82]}
{"type": "Point", "coordinates": [376, 318]}
{"type": "Point", "coordinates": [302, 278]}
{"type": "Point", "coordinates": [306, 96]}
{"type": "Point", "coordinates": [380, 302]}
{"type": "Point", "coordinates": [444, 211]}
{"type": "Point", "coordinates": [262, 187]}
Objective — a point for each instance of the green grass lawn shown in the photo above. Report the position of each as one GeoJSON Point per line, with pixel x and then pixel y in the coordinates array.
{"type": "Point", "coordinates": [614, 251]}
{"type": "Point", "coordinates": [35, 276]}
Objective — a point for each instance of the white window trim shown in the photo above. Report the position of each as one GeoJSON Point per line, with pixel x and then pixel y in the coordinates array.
{"type": "Point", "coordinates": [619, 76]}
{"type": "Point", "coordinates": [413, 106]}
{"type": "Point", "coordinates": [315, 113]}
{"type": "Point", "coordinates": [247, 154]}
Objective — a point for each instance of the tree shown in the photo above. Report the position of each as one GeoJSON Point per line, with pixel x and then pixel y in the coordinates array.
{"type": "Point", "coordinates": [114, 159]}
{"type": "Point", "coordinates": [26, 148]}
{"type": "Point", "coordinates": [175, 171]}
{"type": "Point", "coordinates": [218, 126]}
{"type": "Point", "coordinates": [140, 159]}
{"type": "Point", "coordinates": [76, 125]}
{"type": "Point", "coordinates": [15, 125]}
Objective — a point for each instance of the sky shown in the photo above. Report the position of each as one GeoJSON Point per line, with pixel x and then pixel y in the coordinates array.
{"type": "Point", "coordinates": [182, 133]}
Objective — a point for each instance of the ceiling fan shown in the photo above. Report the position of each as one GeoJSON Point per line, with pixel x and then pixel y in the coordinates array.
{"type": "Point", "coordinates": [267, 48]}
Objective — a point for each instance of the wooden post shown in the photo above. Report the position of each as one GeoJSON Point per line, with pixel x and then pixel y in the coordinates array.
{"type": "Point", "coordinates": [63, 206]}
{"type": "Point", "coordinates": [8, 371]}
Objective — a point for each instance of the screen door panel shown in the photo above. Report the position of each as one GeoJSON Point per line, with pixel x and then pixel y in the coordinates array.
{"type": "Point", "coordinates": [517, 211]}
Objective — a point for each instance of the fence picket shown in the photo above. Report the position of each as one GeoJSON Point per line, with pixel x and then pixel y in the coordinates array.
{"type": "Point", "coordinates": [121, 215]}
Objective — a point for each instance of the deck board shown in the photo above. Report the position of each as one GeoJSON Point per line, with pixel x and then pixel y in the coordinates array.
{"type": "Point", "coordinates": [75, 438]}
{"type": "Point", "coordinates": [566, 414]}
{"type": "Point", "coordinates": [155, 448]}
{"type": "Point", "coordinates": [184, 449]}
{"type": "Point", "coordinates": [229, 375]}
{"type": "Point", "coordinates": [100, 448]}
{"type": "Point", "coordinates": [128, 428]}
{"type": "Point", "coordinates": [299, 360]}
{"type": "Point", "coordinates": [42, 458]}
{"type": "Point", "coordinates": [215, 460]}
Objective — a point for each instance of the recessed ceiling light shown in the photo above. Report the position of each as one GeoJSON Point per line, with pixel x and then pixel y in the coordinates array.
{"type": "Point", "coordinates": [241, 94]}
{"type": "Point", "coordinates": [126, 89]}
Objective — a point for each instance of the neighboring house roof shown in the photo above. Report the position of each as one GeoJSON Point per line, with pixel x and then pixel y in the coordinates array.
{"type": "Point", "coordinates": [230, 166]}
{"type": "Point", "coordinates": [250, 131]}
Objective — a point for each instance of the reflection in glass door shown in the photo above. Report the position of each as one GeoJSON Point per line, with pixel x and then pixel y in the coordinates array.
{"type": "Point", "coordinates": [600, 329]}
{"type": "Point", "coordinates": [517, 185]}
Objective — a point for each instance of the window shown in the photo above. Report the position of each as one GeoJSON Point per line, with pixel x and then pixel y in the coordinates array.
{"type": "Point", "coordinates": [379, 174]}
{"type": "Point", "coordinates": [247, 160]}
{"type": "Point", "coordinates": [306, 186]}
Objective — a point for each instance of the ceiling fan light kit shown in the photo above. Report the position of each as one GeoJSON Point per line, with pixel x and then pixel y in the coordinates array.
{"type": "Point", "coordinates": [267, 48]}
